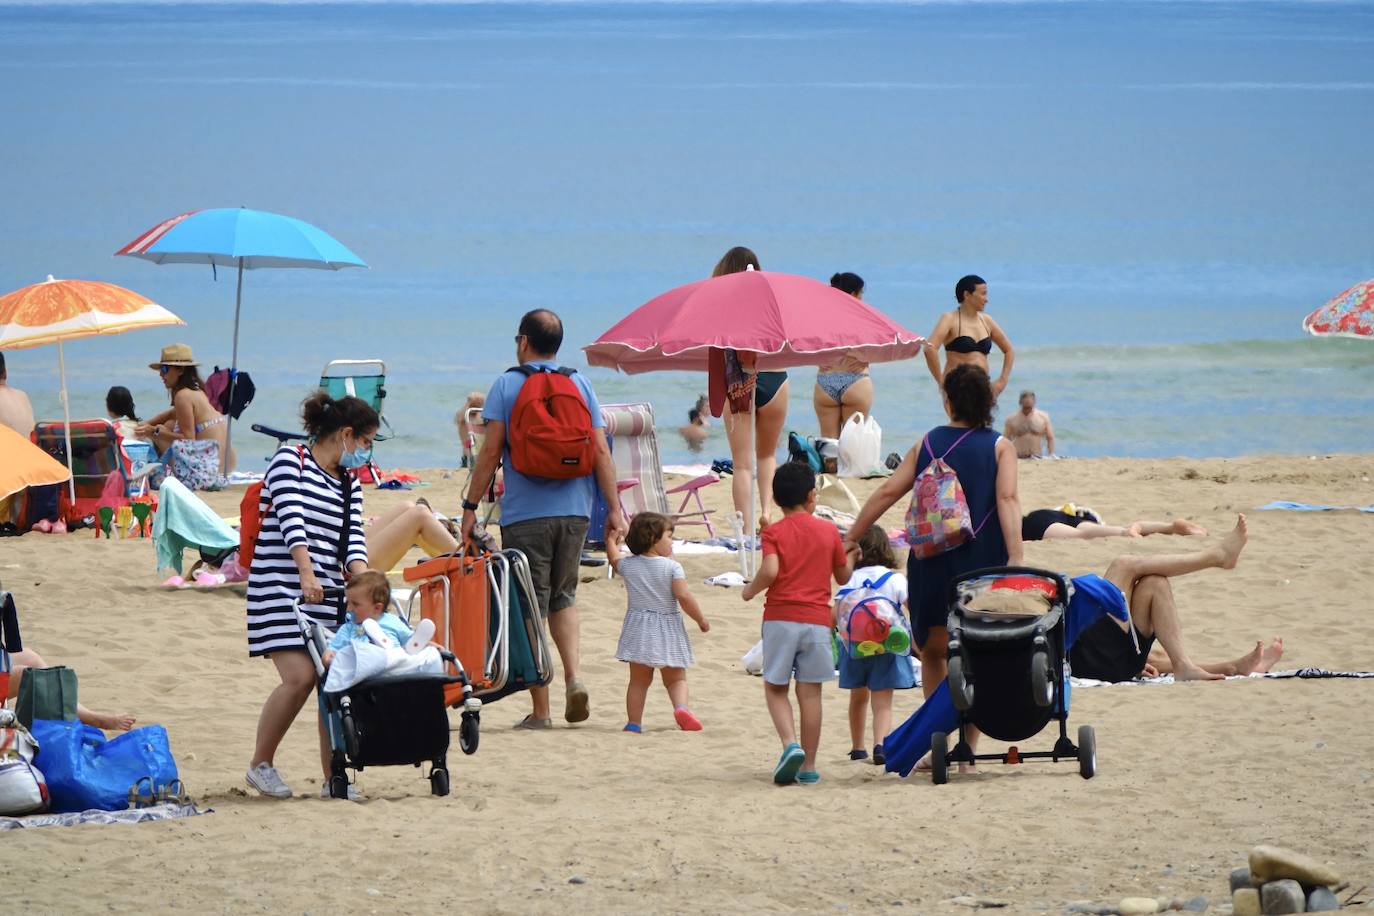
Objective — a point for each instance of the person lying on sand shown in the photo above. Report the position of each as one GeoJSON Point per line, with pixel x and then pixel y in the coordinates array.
{"type": "Point", "coordinates": [1106, 652]}
{"type": "Point", "coordinates": [1057, 524]}
{"type": "Point", "coordinates": [111, 722]}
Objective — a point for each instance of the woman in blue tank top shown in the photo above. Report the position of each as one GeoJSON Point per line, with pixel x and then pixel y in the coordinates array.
{"type": "Point", "coordinates": [986, 465]}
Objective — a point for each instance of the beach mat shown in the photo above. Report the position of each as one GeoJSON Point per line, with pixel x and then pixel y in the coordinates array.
{"type": "Point", "coordinates": [163, 812]}
{"type": "Point", "coordinates": [1092, 598]}
{"type": "Point", "coordinates": [1286, 506]}
{"type": "Point", "coordinates": [1299, 673]}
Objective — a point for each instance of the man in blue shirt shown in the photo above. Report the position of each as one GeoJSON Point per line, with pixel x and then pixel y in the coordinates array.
{"type": "Point", "coordinates": [545, 518]}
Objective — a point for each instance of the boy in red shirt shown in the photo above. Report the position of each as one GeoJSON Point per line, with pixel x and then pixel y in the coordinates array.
{"type": "Point", "coordinates": [801, 554]}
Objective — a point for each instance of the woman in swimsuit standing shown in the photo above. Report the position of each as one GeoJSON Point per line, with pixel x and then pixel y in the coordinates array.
{"type": "Point", "coordinates": [967, 334]}
{"type": "Point", "coordinates": [843, 388]}
{"type": "Point", "coordinates": [190, 417]}
{"type": "Point", "coordinates": [770, 411]}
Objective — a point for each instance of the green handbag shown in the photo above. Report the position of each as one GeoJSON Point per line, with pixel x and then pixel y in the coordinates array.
{"type": "Point", "coordinates": [46, 693]}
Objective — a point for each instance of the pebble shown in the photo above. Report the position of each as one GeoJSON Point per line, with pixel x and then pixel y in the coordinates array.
{"type": "Point", "coordinates": [1268, 863]}
{"type": "Point", "coordinates": [1245, 901]}
{"type": "Point", "coordinates": [1137, 906]}
{"type": "Point", "coordinates": [1240, 877]}
{"type": "Point", "coordinates": [1282, 896]}
{"type": "Point", "coordinates": [1195, 905]}
{"type": "Point", "coordinates": [1321, 899]}
{"type": "Point", "coordinates": [371, 891]}
{"type": "Point", "coordinates": [979, 903]}
{"type": "Point", "coordinates": [577, 879]}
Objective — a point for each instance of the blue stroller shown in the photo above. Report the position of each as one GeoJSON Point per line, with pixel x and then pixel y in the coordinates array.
{"type": "Point", "coordinates": [1007, 672]}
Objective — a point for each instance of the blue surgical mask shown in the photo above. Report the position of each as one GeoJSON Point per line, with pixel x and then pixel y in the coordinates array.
{"type": "Point", "coordinates": [355, 458]}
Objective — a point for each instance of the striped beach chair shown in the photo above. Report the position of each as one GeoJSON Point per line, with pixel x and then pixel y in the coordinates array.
{"type": "Point", "coordinates": [96, 454]}
{"type": "Point", "coordinates": [639, 471]}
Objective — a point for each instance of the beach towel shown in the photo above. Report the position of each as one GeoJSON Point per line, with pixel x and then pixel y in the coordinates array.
{"type": "Point", "coordinates": [184, 520]}
{"type": "Point", "coordinates": [1287, 506]}
{"type": "Point", "coordinates": [1301, 673]}
{"type": "Point", "coordinates": [1091, 598]}
{"type": "Point", "coordinates": [195, 463]}
{"type": "Point", "coordinates": [162, 812]}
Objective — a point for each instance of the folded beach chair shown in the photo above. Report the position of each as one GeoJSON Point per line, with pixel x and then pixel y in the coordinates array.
{"type": "Point", "coordinates": [356, 378]}
{"type": "Point", "coordinates": [639, 471]}
{"type": "Point", "coordinates": [96, 454]}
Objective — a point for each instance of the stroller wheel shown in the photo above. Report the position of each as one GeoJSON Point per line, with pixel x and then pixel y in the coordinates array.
{"type": "Point", "coordinates": [939, 758]}
{"type": "Point", "coordinates": [438, 782]}
{"type": "Point", "coordinates": [350, 737]}
{"type": "Point", "coordinates": [1087, 751]}
{"type": "Point", "coordinates": [960, 690]}
{"type": "Point", "coordinates": [1042, 684]}
{"type": "Point", "coordinates": [469, 733]}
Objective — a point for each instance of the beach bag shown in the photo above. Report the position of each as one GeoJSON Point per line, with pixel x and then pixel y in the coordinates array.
{"type": "Point", "coordinates": [217, 390]}
{"type": "Point", "coordinates": [251, 512]}
{"type": "Point", "coordinates": [938, 519]}
{"type": "Point", "coordinates": [550, 432]}
{"type": "Point", "coordinates": [861, 447]}
{"type": "Point", "coordinates": [869, 623]}
{"type": "Point", "coordinates": [23, 790]}
{"type": "Point", "coordinates": [800, 450]}
{"type": "Point", "coordinates": [85, 771]}
{"type": "Point", "coordinates": [46, 693]}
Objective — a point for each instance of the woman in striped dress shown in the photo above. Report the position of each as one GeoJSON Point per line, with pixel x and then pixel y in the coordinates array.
{"type": "Point", "coordinates": [312, 529]}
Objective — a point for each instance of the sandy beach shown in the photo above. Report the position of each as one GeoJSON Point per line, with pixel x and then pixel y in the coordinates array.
{"type": "Point", "coordinates": [589, 819]}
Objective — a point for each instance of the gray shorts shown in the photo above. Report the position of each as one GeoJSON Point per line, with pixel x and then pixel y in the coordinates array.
{"type": "Point", "coordinates": [553, 547]}
{"type": "Point", "coordinates": [796, 651]}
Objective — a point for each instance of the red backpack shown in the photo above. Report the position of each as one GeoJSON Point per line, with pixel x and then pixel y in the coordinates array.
{"type": "Point", "coordinates": [550, 433]}
{"type": "Point", "coordinates": [251, 512]}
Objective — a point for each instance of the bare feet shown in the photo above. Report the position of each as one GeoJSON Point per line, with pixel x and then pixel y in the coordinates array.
{"type": "Point", "coordinates": [1233, 543]}
{"type": "Point", "coordinates": [1270, 656]}
{"type": "Point", "coordinates": [1185, 527]}
{"type": "Point", "coordinates": [1136, 530]}
{"type": "Point", "coordinates": [111, 722]}
{"type": "Point", "coordinates": [1194, 673]}
{"type": "Point", "coordinates": [1250, 661]}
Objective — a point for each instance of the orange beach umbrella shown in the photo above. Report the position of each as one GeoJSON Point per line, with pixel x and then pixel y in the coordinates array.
{"type": "Point", "coordinates": [58, 310]}
{"type": "Point", "coordinates": [23, 464]}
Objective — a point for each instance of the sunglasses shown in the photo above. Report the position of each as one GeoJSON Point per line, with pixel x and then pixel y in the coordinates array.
{"type": "Point", "coordinates": [163, 370]}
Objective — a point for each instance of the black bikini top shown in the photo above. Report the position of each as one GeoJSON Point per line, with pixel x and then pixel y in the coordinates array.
{"type": "Point", "coordinates": [966, 344]}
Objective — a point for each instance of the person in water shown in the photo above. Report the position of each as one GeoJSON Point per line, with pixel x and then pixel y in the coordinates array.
{"type": "Point", "coordinates": [967, 334]}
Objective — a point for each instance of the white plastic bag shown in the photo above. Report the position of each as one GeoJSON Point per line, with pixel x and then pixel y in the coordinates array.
{"type": "Point", "coordinates": [22, 788]}
{"type": "Point", "coordinates": [861, 446]}
{"type": "Point", "coordinates": [753, 659]}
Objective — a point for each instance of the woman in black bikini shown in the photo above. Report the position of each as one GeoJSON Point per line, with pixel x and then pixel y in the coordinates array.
{"type": "Point", "coordinates": [953, 332]}
{"type": "Point", "coordinates": [770, 410]}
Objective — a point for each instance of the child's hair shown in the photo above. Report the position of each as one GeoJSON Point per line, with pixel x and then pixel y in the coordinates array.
{"type": "Point", "coordinates": [378, 589]}
{"type": "Point", "coordinates": [120, 402]}
{"type": "Point", "coordinates": [646, 529]}
{"type": "Point", "coordinates": [791, 483]}
{"type": "Point", "coordinates": [875, 549]}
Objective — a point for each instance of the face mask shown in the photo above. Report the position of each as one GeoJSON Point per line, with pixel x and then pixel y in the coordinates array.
{"type": "Point", "coordinates": [355, 458]}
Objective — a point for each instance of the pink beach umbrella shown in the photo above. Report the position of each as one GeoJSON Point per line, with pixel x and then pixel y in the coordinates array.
{"type": "Point", "coordinates": [786, 320]}
{"type": "Point", "coordinates": [1350, 314]}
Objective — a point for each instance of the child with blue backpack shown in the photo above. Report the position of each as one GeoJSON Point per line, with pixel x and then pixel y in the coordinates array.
{"type": "Point", "coordinates": [871, 680]}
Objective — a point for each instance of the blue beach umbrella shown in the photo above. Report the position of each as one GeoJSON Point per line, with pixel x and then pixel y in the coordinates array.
{"type": "Point", "coordinates": [245, 239]}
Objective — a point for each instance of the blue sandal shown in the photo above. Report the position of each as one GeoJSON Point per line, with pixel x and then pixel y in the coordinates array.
{"type": "Point", "coordinates": [809, 778]}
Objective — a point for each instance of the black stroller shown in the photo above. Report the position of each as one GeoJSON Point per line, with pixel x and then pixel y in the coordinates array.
{"type": "Point", "coordinates": [388, 721]}
{"type": "Point", "coordinates": [1007, 667]}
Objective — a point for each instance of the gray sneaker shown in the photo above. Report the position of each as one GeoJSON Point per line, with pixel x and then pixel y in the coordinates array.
{"type": "Point", "coordinates": [268, 781]}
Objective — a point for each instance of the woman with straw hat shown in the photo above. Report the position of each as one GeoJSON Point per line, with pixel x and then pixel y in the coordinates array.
{"type": "Point", "coordinates": [189, 421]}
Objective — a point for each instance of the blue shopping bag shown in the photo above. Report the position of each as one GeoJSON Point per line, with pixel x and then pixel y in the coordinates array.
{"type": "Point", "coordinates": [85, 771]}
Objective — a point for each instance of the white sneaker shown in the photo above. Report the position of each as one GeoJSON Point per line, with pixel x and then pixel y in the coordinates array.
{"type": "Point", "coordinates": [352, 793]}
{"type": "Point", "coordinates": [268, 781]}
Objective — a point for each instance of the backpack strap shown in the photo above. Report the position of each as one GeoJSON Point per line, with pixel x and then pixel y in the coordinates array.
{"type": "Point", "coordinates": [952, 447]}
{"type": "Point", "coordinates": [881, 580]}
{"type": "Point", "coordinates": [527, 371]}
{"type": "Point", "coordinates": [347, 484]}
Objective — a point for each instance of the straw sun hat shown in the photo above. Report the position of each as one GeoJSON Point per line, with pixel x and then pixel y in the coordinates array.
{"type": "Point", "coordinates": [175, 355]}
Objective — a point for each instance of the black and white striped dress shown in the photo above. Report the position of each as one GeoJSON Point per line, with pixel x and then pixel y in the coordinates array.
{"type": "Point", "coordinates": [306, 507]}
{"type": "Point", "coordinates": [653, 633]}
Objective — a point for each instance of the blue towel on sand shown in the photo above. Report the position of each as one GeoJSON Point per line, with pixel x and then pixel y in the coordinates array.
{"type": "Point", "coordinates": [1090, 598]}
{"type": "Point", "coordinates": [184, 520]}
{"type": "Point", "coordinates": [1309, 507]}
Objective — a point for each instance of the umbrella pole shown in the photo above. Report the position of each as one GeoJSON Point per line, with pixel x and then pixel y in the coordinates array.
{"type": "Point", "coordinates": [753, 475]}
{"type": "Point", "coordinates": [233, 377]}
{"type": "Point", "coordinates": [66, 421]}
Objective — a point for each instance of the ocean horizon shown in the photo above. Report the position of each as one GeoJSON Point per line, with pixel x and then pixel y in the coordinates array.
{"type": "Point", "coordinates": [1157, 192]}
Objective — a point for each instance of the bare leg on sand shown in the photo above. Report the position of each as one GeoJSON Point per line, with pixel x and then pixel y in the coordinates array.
{"type": "Point", "coordinates": [1145, 583]}
{"type": "Point", "coordinates": [1087, 531]}
{"type": "Point", "coordinates": [105, 721]}
{"type": "Point", "coordinates": [1258, 660]}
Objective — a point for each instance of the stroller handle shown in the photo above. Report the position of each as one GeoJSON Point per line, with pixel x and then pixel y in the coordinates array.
{"type": "Point", "coordinates": [1061, 585]}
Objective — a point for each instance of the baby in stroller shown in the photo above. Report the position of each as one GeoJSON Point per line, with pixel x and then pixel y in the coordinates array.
{"type": "Point", "coordinates": [368, 595]}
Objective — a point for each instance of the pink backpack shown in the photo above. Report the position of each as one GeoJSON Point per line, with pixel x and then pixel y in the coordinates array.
{"type": "Point", "coordinates": [938, 519]}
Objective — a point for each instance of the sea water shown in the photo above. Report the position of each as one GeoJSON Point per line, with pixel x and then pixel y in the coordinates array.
{"type": "Point", "coordinates": [1156, 193]}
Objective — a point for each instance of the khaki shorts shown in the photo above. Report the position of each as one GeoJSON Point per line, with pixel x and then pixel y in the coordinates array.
{"type": "Point", "coordinates": [553, 547]}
